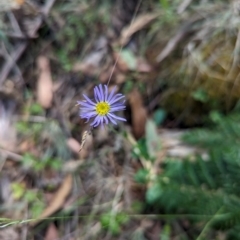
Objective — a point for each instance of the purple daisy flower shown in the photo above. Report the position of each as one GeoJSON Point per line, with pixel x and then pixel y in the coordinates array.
{"type": "Point", "coordinates": [103, 108]}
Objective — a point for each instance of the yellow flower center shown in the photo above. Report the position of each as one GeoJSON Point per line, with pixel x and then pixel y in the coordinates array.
{"type": "Point", "coordinates": [102, 108]}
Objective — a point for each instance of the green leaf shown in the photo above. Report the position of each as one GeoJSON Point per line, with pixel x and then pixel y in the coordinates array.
{"type": "Point", "coordinates": [109, 222]}
{"type": "Point", "coordinates": [140, 149]}
{"type": "Point", "coordinates": [215, 116]}
{"type": "Point", "coordinates": [30, 196]}
{"type": "Point", "coordinates": [28, 160]}
{"type": "Point", "coordinates": [153, 193]}
{"type": "Point", "coordinates": [200, 95]}
{"type": "Point", "coordinates": [152, 139]}
{"type": "Point", "coordinates": [37, 209]}
{"type": "Point", "coordinates": [18, 190]}
{"type": "Point", "coordinates": [22, 127]}
{"type": "Point", "coordinates": [128, 86]}
{"type": "Point", "coordinates": [55, 164]}
{"type": "Point", "coordinates": [141, 176]}
{"type": "Point", "coordinates": [36, 109]}
{"type": "Point", "coordinates": [165, 4]}
{"type": "Point", "coordinates": [159, 116]}
{"type": "Point", "coordinates": [122, 218]}
{"type": "Point", "coordinates": [165, 233]}
{"type": "Point", "coordinates": [129, 58]}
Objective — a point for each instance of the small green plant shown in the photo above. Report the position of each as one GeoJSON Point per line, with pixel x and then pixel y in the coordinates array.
{"type": "Point", "coordinates": [204, 191]}
{"type": "Point", "coordinates": [35, 109]}
{"type": "Point", "coordinates": [142, 176]}
{"type": "Point", "coordinates": [26, 128]}
{"type": "Point", "coordinates": [33, 198]}
{"type": "Point", "coordinates": [113, 222]}
{"type": "Point", "coordinates": [31, 162]}
{"type": "Point", "coordinates": [200, 95]}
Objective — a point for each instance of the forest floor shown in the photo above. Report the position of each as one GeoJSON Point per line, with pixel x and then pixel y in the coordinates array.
{"type": "Point", "coordinates": [53, 52]}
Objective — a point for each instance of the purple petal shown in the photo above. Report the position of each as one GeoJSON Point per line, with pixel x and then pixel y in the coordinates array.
{"type": "Point", "coordinates": [88, 115]}
{"type": "Point", "coordinates": [111, 119]}
{"type": "Point", "coordinates": [87, 105]}
{"type": "Point", "coordinates": [101, 121]}
{"type": "Point", "coordinates": [115, 109]}
{"type": "Point", "coordinates": [111, 94]}
{"type": "Point", "coordinates": [116, 99]}
{"type": "Point", "coordinates": [96, 96]}
{"type": "Point", "coordinates": [106, 93]}
{"type": "Point", "coordinates": [95, 122]}
{"type": "Point", "coordinates": [101, 93]}
{"type": "Point", "coordinates": [106, 119]}
{"type": "Point", "coordinates": [86, 110]}
{"type": "Point", "coordinates": [116, 117]}
{"type": "Point", "coordinates": [89, 100]}
{"type": "Point", "coordinates": [115, 96]}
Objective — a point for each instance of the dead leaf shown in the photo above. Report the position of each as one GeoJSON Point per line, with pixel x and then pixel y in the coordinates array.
{"type": "Point", "coordinates": [26, 146]}
{"type": "Point", "coordinates": [139, 23]}
{"type": "Point", "coordinates": [143, 66]}
{"type": "Point", "coordinates": [139, 113]}
{"type": "Point", "coordinates": [86, 68]}
{"type": "Point", "coordinates": [57, 201]}
{"type": "Point", "coordinates": [10, 5]}
{"type": "Point", "coordinates": [72, 166]}
{"type": "Point", "coordinates": [120, 78]}
{"type": "Point", "coordinates": [75, 146]}
{"type": "Point", "coordinates": [44, 83]}
{"type": "Point", "coordinates": [52, 233]}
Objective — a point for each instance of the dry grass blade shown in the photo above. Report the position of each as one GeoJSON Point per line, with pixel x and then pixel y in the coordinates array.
{"type": "Point", "coordinates": [11, 61]}
{"type": "Point", "coordinates": [139, 23]}
{"type": "Point", "coordinates": [84, 138]}
{"type": "Point", "coordinates": [173, 42]}
{"type": "Point", "coordinates": [182, 7]}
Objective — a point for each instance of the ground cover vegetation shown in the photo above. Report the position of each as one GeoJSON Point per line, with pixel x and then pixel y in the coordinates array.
{"type": "Point", "coordinates": [158, 81]}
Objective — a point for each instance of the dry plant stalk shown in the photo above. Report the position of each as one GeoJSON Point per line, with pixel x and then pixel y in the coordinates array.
{"type": "Point", "coordinates": [84, 138]}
